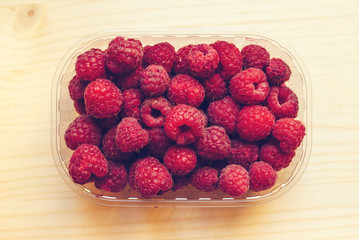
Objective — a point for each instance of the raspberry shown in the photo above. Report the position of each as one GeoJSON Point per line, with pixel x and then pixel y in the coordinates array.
{"type": "Point", "coordinates": [282, 102]}
{"type": "Point", "coordinates": [110, 149]}
{"type": "Point", "coordinates": [85, 161]}
{"type": "Point", "coordinates": [205, 179]}
{"type": "Point", "coordinates": [181, 65]}
{"type": "Point", "coordinates": [224, 113]}
{"type": "Point", "coordinates": [91, 65]}
{"type": "Point", "coordinates": [180, 181]}
{"type": "Point", "coordinates": [130, 79]}
{"type": "Point", "coordinates": [152, 178]}
{"type": "Point", "coordinates": [184, 124]}
{"type": "Point", "coordinates": [214, 144]}
{"type": "Point", "coordinates": [82, 130]}
{"type": "Point", "coordinates": [77, 88]}
{"type": "Point", "coordinates": [80, 106]}
{"type": "Point", "coordinates": [203, 60]}
{"type": "Point", "coordinates": [255, 56]}
{"type": "Point", "coordinates": [130, 136]}
{"type": "Point", "coordinates": [249, 86]}
{"type": "Point", "coordinates": [254, 122]}
{"type": "Point", "coordinates": [154, 111]}
{"type": "Point", "coordinates": [277, 71]}
{"type": "Point", "coordinates": [215, 88]}
{"type": "Point", "coordinates": [180, 160]}
{"type": "Point", "coordinates": [243, 153]}
{"type": "Point", "coordinates": [160, 54]}
{"type": "Point", "coordinates": [234, 180]}
{"type": "Point", "coordinates": [115, 180]}
{"type": "Point", "coordinates": [261, 176]}
{"type": "Point", "coordinates": [154, 81]}
{"type": "Point", "coordinates": [271, 153]}
{"type": "Point", "coordinates": [158, 142]}
{"type": "Point", "coordinates": [186, 90]}
{"type": "Point", "coordinates": [132, 99]}
{"type": "Point", "coordinates": [205, 118]}
{"type": "Point", "coordinates": [230, 59]}
{"type": "Point", "coordinates": [103, 99]}
{"type": "Point", "coordinates": [131, 175]}
{"type": "Point", "coordinates": [123, 56]}
{"type": "Point", "coordinates": [289, 132]}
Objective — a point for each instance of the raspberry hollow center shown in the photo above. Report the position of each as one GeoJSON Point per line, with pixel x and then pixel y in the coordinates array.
{"type": "Point", "coordinates": [156, 113]}
{"type": "Point", "coordinates": [184, 128]}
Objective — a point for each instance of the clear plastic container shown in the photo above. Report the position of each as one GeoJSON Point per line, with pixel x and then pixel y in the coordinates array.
{"type": "Point", "coordinates": [63, 113]}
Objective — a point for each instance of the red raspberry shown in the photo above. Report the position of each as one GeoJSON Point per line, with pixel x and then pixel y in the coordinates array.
{"type": "Point", "coordinates": [243, 153]}
{"type": "Point", "coordinates": [215, 88]}
{"type": "Point", "coordinates": [261, 176]}
{"type": "Point", "coordinates": [224, 113]}
{"type": "Point", "coordinates": [254, 122]}
{"type": "Point", "coordinates": [283, 102]}
{"type": "Point", "coordinates": [152, 178]}
{"type": "Point", "coordinates": [184, 124]}
{"type": "Point", "coordinates": [271, 153]}
{"type": "Point", "coordinates": [186, 90]}
{"type": "Point", "coordinates": [77, 88]}
{"type": "Point", "coordinates": [82, 130]}
{"type": "Point", "coordinates": [154, 81]}
{"type": "Point", "coordinates": [180, 181]}
{"type": "Point", "coordinates": [130, 136]}
{"type": "Point", "coordinates": [203, 60]}
{"type": "Point", "coordinates": [80, 106]}
{"type": "Point", "coordinates": [123, 56]}
{"type": "Point", "coordinates": [158, 142]}
{"type": "Point", "coordinates": [85, 161]}
{"type": "Point", "coordinates": [234, 180]}
{"type": "Point", "coordinates": [289, 132]}
{"type": "Point", "coordinates": [277, 71]}
{"type": "Point", "coordinates": [180, 160]}
{"type": "Point", "coordinates": [115, 180]}
{"type": "Point", "coordinates": [132, 99]}
{"type": "Point", "coordinates": [91, 65]}
{"type": "Point", "coordinates": [205, 118]}
{"type": "Point", "coordinates": [255, 56]}
{"type": "Point", "coordinates": [249, 86]}
{"type": "Point", "coordinates": [110, 149]}
{"type": "Point", "coordinates": [205, 179]}
{"type": "Point", "coordinates": [181, 65]}
{"type": "Point", "coordinates": [154, 111]}
{"type": "Point", "coordinates": [230, 59]}
{"type": "Point", "coordinates": [130, 79]}
{"type": "Point", "coordinates": [160, 54]}
{"type": "Point", "coordinates": [214, 144]}
{"type": "Point", "coordinates": [103, 99]}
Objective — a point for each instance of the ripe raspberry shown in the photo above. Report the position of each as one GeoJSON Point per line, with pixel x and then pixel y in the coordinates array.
{"type": "Point", "coordinates": [261, 176]}
{"type": "Point", "coordinates": [249, 86]}
{"type": "Point", "coordinates": [230, 59]}
{"type": "Point", "coordinates": [180, 160]}
{"type": "Point", "coordinates": [103, 99]}
{"type": "Point", "coordinates": [277, 71]}
{"type": "Point", "coordinates": [130, 136]}
{"type": "Point", "coordinates": [254, 122]}
{"type": "Point", "coordinates": [160, 54]}
{"type": "Point", "coordinates": [215, 88]}
{"type": "Point", "coordinates": [203, 60]}
{"type": "Point", "coordinates": [110, 149]}
{"type": "Point", "coordinates": [184, 124]}
{"type": "Point", "coordinates": [80, 107]}
{"type": "Point", "coordinates": [186, 90]}
{"type": "Point", "coordinates": [154, 81]}
{"type": "Point", "coordinates": [181, 65]}
{"type": "Point", "coordinates": [85, 161]}
{"type": "Point", "coordinates": [132, 99]}
{"type": "Point", "coordinates": [289, 132]}
{"type": "Point", "coordinates": [91, 65]}
{"type": "Point", "coordinates": [224, 113]}
{"type": "Point", "coordinates": [82, 130]}
{"type": "Point", "coordinates": [130, 79]}
{"type": "Point", "coordinates": [205, 118]}
{"type": "Point", "coordinates": [77, 88]}
{"type": "Point", "coordinates": [234, 180]}
{"type": "Point", "coordinates": [154, 111]}
{"type": "Point", "coordinates": [243, 153]}
{"type": "Point", "coordinates": [152, 178]}
{"type": "Point", "coordinates": [205, 179]}
{"type": "Point", "coordinates": [115, 180]}
{"type": "Point", "coordinates": [282, 102]}
{"type": "Point", "coordinates": [180, 181]}
{"type": "Point", "coordinates": [214, 144]}
{"type": "Point", "coordinates": [255, 56]}
{"type": "Point", "coordinates": [158, 142]}
{"type": "Point", "coordinates": [271, 153]}
{"type": "Point", "coordinates": [123, 56]}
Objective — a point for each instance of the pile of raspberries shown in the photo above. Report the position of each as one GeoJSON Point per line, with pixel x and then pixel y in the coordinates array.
{"type": "Point", "coordinates": [209, 115]}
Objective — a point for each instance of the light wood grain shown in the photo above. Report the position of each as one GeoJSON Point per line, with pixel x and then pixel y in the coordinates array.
{"type": "Point", "coordinates": [37, 204]}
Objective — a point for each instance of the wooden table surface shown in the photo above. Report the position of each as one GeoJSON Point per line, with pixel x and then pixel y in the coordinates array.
{"type": "Point", "coordinates": [37, 204]}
